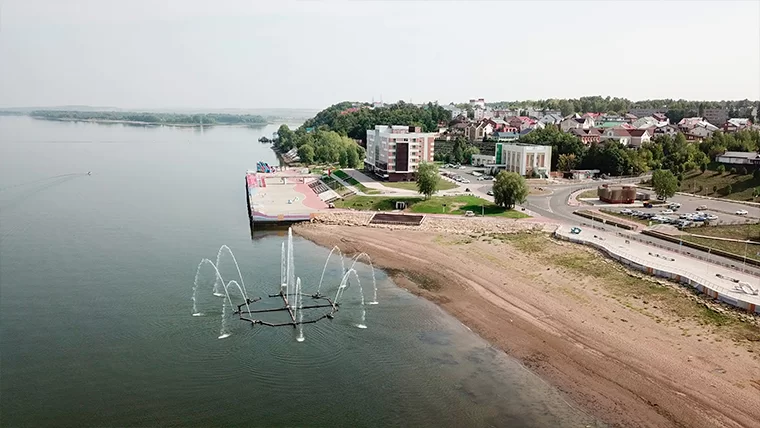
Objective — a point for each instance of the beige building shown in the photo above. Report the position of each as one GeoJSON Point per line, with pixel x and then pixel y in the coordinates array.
{"type": "Point", "coordinates": [716, 116]}
{"type": "Point", "coordinates": [395, 152]}
{"type": "Point", "coordinates": [523, 159]}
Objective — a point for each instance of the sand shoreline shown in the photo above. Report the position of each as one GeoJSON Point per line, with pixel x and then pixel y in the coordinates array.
{"type": "Point", "coordinates": [618, 357]}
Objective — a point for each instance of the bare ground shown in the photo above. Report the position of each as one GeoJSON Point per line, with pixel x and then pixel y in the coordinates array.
{"type": "Point", "coordinates": [629, 350]}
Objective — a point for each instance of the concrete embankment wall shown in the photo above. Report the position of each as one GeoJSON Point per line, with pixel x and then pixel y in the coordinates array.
{"type": "Point", "coordinates": [703, 286]}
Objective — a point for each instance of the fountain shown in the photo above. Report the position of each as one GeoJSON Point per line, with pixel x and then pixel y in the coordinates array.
{"type": "Point", "coordinates": [290, 292]}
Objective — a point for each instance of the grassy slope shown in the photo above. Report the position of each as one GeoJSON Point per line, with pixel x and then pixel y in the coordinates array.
{"type": "Point", "coordinates": [750, 231]}
{"type": "Point", "coordinates": [352, 181]}
{"type": "Point", "coordinates": [741, 185]}
{"type": "Point", "coordinates": [412, 185]}
{"type": "Point", "coordinates": [456, 205]}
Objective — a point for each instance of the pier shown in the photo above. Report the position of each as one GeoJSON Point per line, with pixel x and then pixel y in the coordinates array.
{"type": "Point", "coordinates": [280, 197]}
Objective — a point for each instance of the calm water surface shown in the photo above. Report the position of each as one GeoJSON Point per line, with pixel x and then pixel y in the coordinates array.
{"type": "Point", "coordinates": [96, 275]}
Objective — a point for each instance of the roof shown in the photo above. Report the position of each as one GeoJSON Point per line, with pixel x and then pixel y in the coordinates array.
{"type": "Point", "coordinates": [743, 155]}
{"type": "Point", "coordinates": [637, 132]}
{"type": "Point", "coordinates": [620, 132]}
{"type": "Point", "coordinates": [630, 116]}
{"type": "Point", "coordinates": [593, 132]}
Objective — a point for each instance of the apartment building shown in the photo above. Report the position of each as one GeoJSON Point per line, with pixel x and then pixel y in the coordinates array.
{"type": "Point", "coordinates": [395, 152]}
{"type": "Point", "coordinates": [716, 116]}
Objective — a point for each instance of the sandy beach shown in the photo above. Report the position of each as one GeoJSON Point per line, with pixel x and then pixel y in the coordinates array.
{"type": "Point", "coordinates": [630, 350]}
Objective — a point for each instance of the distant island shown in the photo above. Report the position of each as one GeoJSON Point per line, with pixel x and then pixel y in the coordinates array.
{"type": "Point", "coordinates": [151, 118]}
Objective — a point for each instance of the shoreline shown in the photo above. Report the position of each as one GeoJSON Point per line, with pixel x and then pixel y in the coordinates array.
{"type": "Point", "coordinates": [629, 360]}
{"type": "Point", "coordinates": [135, 122]}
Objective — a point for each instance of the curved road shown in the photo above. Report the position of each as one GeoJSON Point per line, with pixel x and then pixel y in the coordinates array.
{"type": "Point", "coordinates": [555, 207]}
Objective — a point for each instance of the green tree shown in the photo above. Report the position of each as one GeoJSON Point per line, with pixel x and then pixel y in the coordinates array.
{"type": "Point", "coordinates": [509, 189]}
{"type": "Point", "coordinates": [728, 190]}
{"type": "Point", "coordinates": [567, 162]}
{"type": "Point", "coordinates": [721, 169]}
{"type": "Point", "coordinates": [703, 167]}
{"type": "Point", "coordinates": [285, 138]}
{"type": "Point", "coordinates": [427, 178]}
{"type": "Point", "coordinates": [306, 153]}
{"type": "Point", "coordinates": [664, 183]}
{"type": "Point", "coordinates": [756, 192]}
{"type": "Point", "coordinates": [352, 156]}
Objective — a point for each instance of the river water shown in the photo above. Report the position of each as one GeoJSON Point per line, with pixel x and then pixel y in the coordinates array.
{"type": "Point", "coordinates": [96, 325]}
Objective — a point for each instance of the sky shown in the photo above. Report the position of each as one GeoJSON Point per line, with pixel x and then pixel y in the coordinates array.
{"type": "Point", "coordinates": [310, 54]}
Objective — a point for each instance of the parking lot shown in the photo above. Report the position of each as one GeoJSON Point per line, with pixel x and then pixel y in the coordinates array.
{"type": "Point", "coordinates": [464, 174]}
{"type": "Point", "coordinates": [677, 214]}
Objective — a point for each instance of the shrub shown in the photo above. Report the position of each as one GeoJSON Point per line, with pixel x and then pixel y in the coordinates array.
{"type": "Point", "coordinates": [756, 175]}
{"type": "Point", "coordinates": [728, 190]}
{"type": "Point", "coordinates": [703, 167]}
{"type": "Point", "coordinates": [743, 171]}
{"type": "Point", "coordinates": [721, 169]}
{"type": "Point", "coordinates": [715, 189]}
{"type": "Point", "coordinates": [733, 171]}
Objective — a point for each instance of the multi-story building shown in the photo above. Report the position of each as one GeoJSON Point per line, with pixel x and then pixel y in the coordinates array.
{"type": "Point", "coordinates": [395, 152]}
{"type": "Point", "coordinates": [524, 159]}
{"type": "Point", "coordinates": [716, 116]}
{"type": "Point", "coordinates": [642, 112]}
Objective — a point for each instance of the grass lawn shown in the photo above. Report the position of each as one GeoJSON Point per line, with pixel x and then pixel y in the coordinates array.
{"type": "Point", "coordinates": [702, 183]}
{"type": "Point", "coordinates": [589, 194]}
{"type": "Point", "coordinates": [456, 205]}
{"type": "Point", "coordinates": [352, 181]}
{"type": "Point", "coordinates": [412, 185]}
{"type": "Point", "coordinates": [751, 231]}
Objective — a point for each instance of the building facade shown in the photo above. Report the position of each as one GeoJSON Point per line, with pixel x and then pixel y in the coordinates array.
{"type": "Point", "coordinates": [524, 159]}
{"type": "Point", "coordinates": [395, 152]}
{"type": "Point", "coordinates": [716, 116]}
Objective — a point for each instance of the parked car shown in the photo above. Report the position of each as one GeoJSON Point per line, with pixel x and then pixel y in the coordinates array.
{"type": "Point", "coordinates": [674, 206]}
{"type": "Point", "coordinates": [711, 217]}
{"type": "Point", "coordinates": [469, 214]}
{"type": "Point", "coordinates": [741, 212]}
{"type": "Point", "coordinates": [701, 207]}
{"type": "Point", "coordinates": [667, 211]}
{"type": "Point", "coordinates": [626, 211]}
{"type": "Point", "coordinates": [489, 193]}
{"type": "Point", "coordinates": [648, 205]}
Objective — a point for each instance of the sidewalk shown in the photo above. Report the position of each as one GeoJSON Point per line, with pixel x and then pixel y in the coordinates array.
{"type": "Point", "coordinates": [711, 279]}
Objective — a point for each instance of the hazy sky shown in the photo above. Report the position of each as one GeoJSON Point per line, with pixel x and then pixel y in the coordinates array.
{"type": "Point", "coordinates": [250, 54]}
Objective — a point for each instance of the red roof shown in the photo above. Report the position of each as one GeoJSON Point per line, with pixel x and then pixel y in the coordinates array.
{"type": "Point", "coordinates": [620, 132]}
{"type": "Point", "coordinates": [637, 132]}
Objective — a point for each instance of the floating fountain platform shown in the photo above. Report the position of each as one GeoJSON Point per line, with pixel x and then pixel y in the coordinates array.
{"type": "Point", "coordinates": [290, 293]}
{"type": "Point", "coordinates": [291, 309]}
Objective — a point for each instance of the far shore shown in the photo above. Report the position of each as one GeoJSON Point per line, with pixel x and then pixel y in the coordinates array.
{"type": "Point", "coordinates": [134, 122]}
{"type": "Point", "coordinates": [628, 349]}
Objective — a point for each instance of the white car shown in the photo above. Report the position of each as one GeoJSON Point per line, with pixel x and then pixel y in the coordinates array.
{"type": "Point", "coordinates": [701, 207]}
{"type": "Point", "coordinates": [711, 217]}
{"type": "Point", "coordinates": [625, 211]}
{"type": "Point", "coordinates": [466, 181]}
{"type": "Point", "coordinates": [666, 212]}
{"type": "Point", "coordinates": [741, 212]}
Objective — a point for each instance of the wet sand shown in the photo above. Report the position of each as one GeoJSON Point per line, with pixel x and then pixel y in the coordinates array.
{"type": "Point", "coordinates": [625, 349]}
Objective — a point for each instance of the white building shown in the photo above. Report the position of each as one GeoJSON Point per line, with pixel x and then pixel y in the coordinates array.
{"type": "Point", "coordinates": [523, 159]}
{"type": "Point", "coordinates": [395, 152]}
{"type": "Point", "coordinates": [479, 102]}
{"type": "Point", "coordinates": [483, 160]}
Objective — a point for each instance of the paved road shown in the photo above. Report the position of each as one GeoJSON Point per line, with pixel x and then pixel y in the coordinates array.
{"type": "Point", "coordinates": [555, 207]}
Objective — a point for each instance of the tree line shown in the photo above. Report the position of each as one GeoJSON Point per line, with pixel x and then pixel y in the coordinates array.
{"type": "Point", "coordinates": [157, 118]}
{"type": "Point", "coordinates": [320, 146]}
{"type": "Point", "coordinates": [354, 120]}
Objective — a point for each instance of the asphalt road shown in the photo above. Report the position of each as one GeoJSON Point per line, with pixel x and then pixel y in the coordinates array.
{"type": "Point", "coordinates": [555, 207]}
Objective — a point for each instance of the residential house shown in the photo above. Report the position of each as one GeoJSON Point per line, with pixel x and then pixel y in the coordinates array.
{"type": "Point", "coordinates": [576, 122]}
{"type": "Point", "coordinates": [551, 119]}
{"type": "Point", "coordinates": [736, 124]}
{"type": "Point", "coordinates": [455, 111]}
{"type": "Point", "coordinates": [478, 131]}
{"type": "Point", "coordinates": [587, 136]}
{"type": "Point", "coordinates": [660, 117]}
{"type": "Point", "coordinates": [645, 122]}
{"type": "Point", "coordinates": [688, 123]}
{"type": "Point", "coordinates": [630, 117]}
{"type": "Point", "coordinates": [620, 135]}
{"type": "Point", "coordinates": [739, 158]}
{"type": "Point", "coordinates": [668, 129]}
{"type": "Point", "coordinates": [395, 152]}
{"type": "Point", "coordinates": [699, 133]}
{"type": "Point", "coordinates": [505, 113]}
{"type": "Point", "coordinates": [639, 137]}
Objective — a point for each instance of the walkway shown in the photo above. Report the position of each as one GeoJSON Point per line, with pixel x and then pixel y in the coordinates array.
{"type": "Point", "coordinates": [711, 279]}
